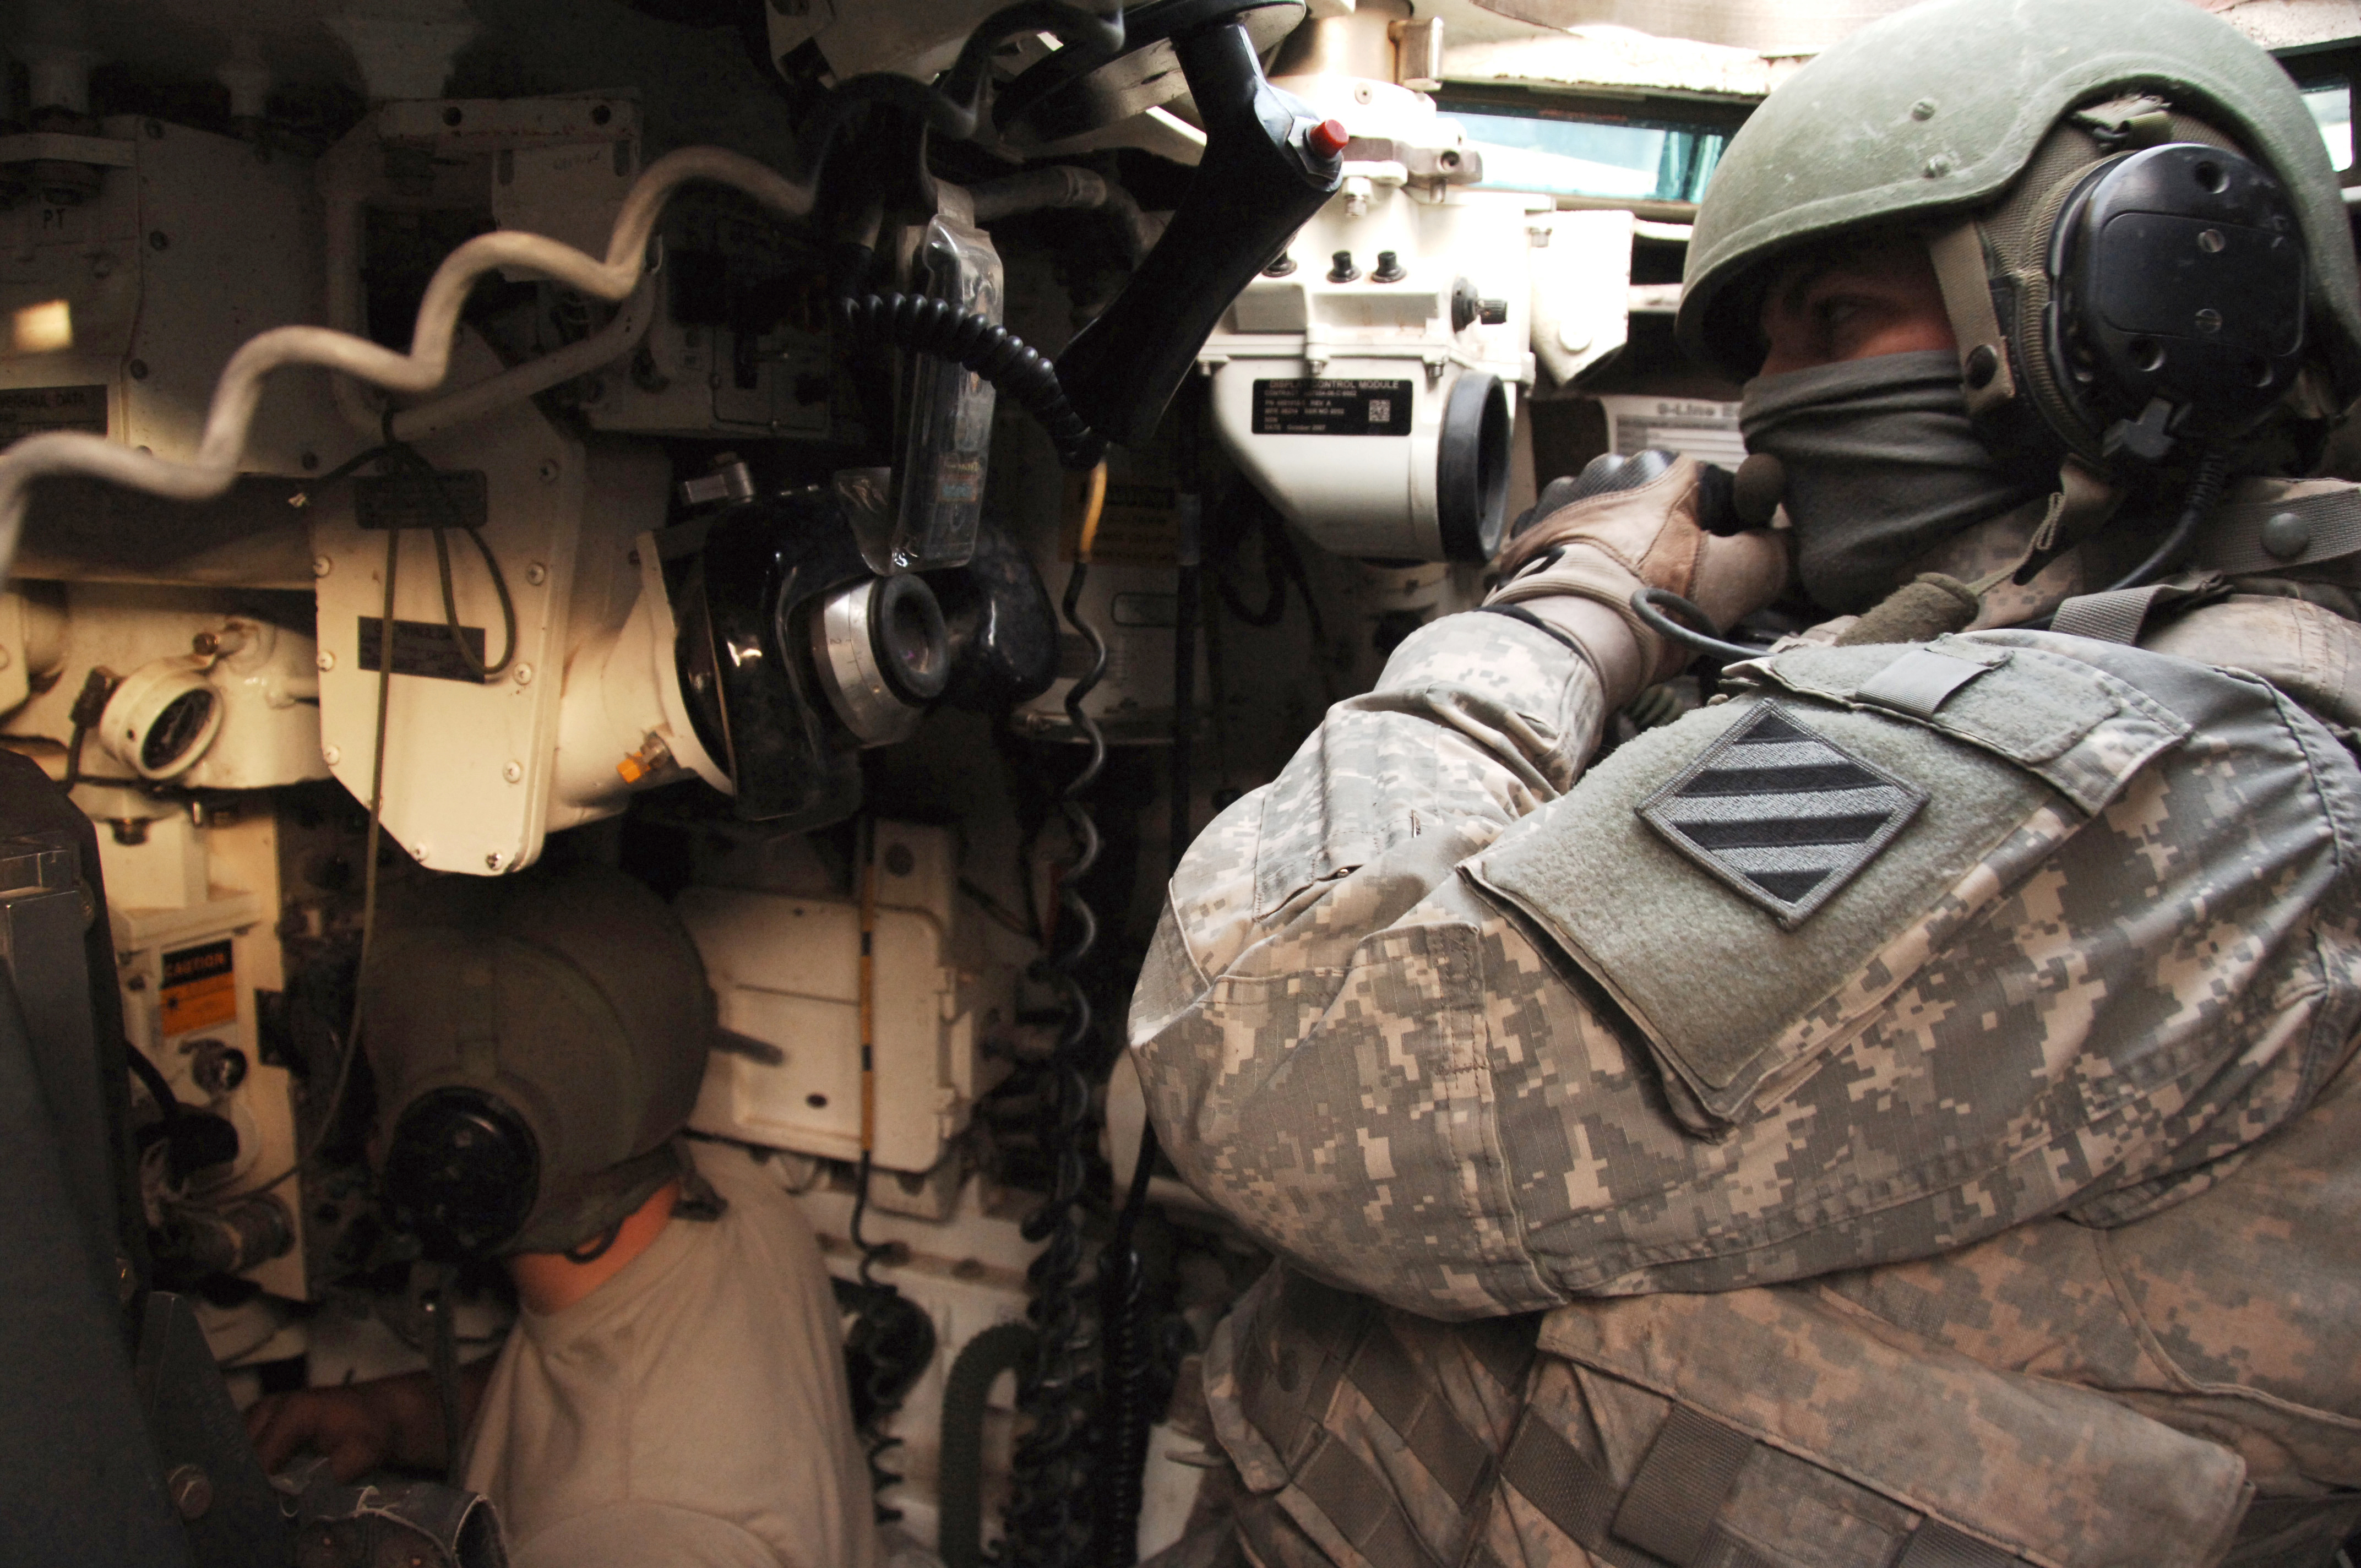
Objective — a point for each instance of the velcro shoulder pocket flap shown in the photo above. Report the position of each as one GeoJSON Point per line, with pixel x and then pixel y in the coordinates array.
{"type": "Point", "coordinates": [2078, 727]}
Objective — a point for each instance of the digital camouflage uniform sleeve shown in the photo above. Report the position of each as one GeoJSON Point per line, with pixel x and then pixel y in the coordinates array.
{"type": "Point", "coordinates": [1387, 1078]}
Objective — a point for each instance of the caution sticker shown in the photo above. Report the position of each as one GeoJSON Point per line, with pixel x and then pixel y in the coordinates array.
{"type": "Point", "coordinates": [199, 987]}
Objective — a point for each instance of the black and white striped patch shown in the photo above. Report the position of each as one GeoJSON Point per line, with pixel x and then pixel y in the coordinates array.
{"type": "Point", "coordinates": [1782, 813]}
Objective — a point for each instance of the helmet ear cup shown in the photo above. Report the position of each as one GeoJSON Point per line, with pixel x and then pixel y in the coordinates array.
{"type": "Point", "coordinates": [462, 1171]}
{"type": "Point", "coordinates": [2177, 277]}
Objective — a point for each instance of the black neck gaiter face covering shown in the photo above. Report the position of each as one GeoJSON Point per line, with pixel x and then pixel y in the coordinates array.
{"type": "Point", "coordinates": [1881, 466]}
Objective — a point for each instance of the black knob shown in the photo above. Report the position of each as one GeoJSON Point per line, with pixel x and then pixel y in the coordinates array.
{"type": "Point", "coordinates": [1492, 313]}
{"type": "Point", "coordinates": [1390, 268]}
{"type": "Point", "coordinates": [1343, 271]}
{"type": "Point", "coordinates": [1464, 304]}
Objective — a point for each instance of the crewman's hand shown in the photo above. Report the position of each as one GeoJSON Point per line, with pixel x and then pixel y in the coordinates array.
{"type": "Point", "coordinates": [355, 1428]}
{"type": "Point", "coordinates": [1605, 538]}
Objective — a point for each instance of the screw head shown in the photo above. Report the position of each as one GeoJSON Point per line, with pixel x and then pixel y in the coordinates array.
{"type": "Point", "coordinates": [192, 1491]}
{"type": "Point", "coordinates": [1983, 364]}
{"type": "Point", "coordinates": [513, 773]}
{"type": "Point", "coordinates": [330, 755]}
{"type": "Point", "coordinates": [492, 862]}
{"type": "Point", "coordinates": [1939, 166]}
{"type": "Point", "coordinates": [324, 660]}
{"type": "Point", "coordinates": [138, 368]}
{"type": "Point", "coordinates": [1923, 110]}
{"type": "Point", "coordinates": [524, 674]}
{"type": "Point", "coordinates": [322, 565]}
{"type": "Point", "coordinates": [158, 240]}
{"type": "Point", "coordinates": [2209, 320]}
{"type": "Point", "coordinates": [536, 573]}
{"type": "Point", "coordinates": [549, 470]}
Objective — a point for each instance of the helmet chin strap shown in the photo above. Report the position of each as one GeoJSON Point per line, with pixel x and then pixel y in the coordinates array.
{"type": "Point", "coordinates": [1964, 276]}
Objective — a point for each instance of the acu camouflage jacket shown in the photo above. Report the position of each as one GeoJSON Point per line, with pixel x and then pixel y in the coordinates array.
{"type": "Point", "coordinates": [1439, 1023]}
{"type": "Point", "coordinates": [2121, 952]}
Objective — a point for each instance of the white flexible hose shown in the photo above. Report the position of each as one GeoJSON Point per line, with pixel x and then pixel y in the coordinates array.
{"type": "Point", "coordinates": [59, 453]}
{"type": "Point", "coordinates": [606, 346]}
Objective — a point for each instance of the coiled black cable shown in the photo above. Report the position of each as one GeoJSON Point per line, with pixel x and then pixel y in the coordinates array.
{"type": "Point", "coordinates": [893, 1341]}
{"type": "Point", "coordinates": [1127, 1404]}
{"type": "Point", "coordinates": [1049, 1517]}
{"type": "Point", "coordinates": [925, 325]}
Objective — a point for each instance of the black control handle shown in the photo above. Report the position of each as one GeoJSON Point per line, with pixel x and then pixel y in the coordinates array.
{"type": "Point", "coordinates": [1263, 175]}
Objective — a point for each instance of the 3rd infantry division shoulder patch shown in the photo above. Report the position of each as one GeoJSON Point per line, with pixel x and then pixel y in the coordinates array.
{"type": "Point", "coordinates": [1782, 813]}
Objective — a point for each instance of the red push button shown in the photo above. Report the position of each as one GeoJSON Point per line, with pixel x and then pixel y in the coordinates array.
{"type": "Point", "coordinates": [1328, 137]}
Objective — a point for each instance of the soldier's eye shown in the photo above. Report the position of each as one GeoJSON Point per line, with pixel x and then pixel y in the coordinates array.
{"type": "Point", "coordinates": [1839, 311]}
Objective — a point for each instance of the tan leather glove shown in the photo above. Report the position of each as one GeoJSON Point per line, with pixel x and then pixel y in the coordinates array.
{"type": "Point", "coordinates": [1607, 546]}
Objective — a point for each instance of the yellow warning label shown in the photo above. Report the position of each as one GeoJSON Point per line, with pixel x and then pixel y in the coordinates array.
{"type": "Point", "coordinates": [199, 987]}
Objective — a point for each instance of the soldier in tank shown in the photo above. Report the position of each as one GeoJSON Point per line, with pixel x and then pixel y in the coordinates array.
{"type": "Point", "coordinates": [1894, 1114]}
{"type": "Point", "coordinates": [674, 1390]}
